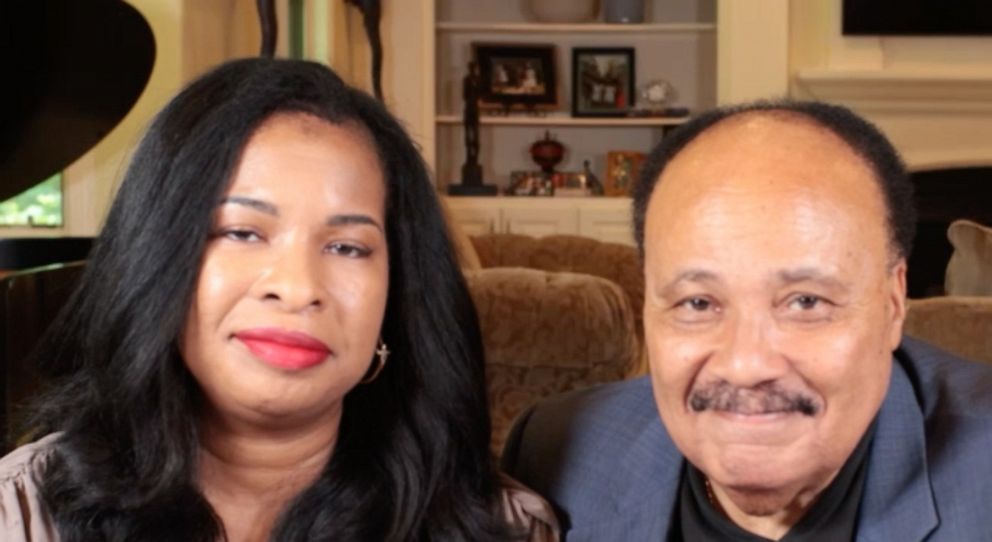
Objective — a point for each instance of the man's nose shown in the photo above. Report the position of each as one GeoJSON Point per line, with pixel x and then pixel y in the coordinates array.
{"type": "Point", "coordinates": [746, 355]}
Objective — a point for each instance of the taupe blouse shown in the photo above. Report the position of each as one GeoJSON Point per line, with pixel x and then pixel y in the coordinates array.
{"type": "Point", "coordinates": [24, 518]}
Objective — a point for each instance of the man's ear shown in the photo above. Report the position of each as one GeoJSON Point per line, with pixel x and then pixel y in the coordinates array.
{"type": "Point", "coordinates": [897, 301]}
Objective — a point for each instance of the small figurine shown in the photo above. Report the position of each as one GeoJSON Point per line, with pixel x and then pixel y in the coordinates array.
{"type": "Point", "coordinates": [592, 182]}
{"type": "Point", "coordinates": [654, 95]}
{"type": "Point", "coordinates": [471, 170]}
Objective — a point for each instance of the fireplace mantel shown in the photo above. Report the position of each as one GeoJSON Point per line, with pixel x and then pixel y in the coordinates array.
{"type": "Point", "coordinates": [930, 90]}
{"type": "Point", "coordinates": [937, 118]}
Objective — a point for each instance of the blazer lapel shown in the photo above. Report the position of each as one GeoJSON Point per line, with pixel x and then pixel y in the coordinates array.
{"type": "Point", "coordinates": [898, 501]}
{"type": "Point", "coordinates": [646, 488]}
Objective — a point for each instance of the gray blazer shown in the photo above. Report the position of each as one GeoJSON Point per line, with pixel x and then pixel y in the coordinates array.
{"type": "Point", "coordinates": [604, 459]}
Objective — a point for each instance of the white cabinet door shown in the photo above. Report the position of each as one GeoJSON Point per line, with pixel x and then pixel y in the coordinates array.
{"type": "Point", "coordinates": [538, 222]}
{"type": "Point", "coordinates": [476, 220]}
{"type": "Point", "coordinates": [605, 219]}
{"type": "Point", "coordinates": [612, 225]}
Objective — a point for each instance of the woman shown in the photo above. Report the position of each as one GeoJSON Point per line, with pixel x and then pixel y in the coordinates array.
{"type": "Point", "coordinates": [271, 340]}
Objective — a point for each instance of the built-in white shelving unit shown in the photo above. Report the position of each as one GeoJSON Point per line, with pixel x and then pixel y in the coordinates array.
{"type": "Point", "coordinates": [565, 119]}
{"type": "Point", "coordinates": [677, 43]}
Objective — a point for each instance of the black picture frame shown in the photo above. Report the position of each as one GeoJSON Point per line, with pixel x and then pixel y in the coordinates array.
{"type": "Point", "coordinates": [603, 81]}
{"type": "Point", "coordinates": [517, 75]}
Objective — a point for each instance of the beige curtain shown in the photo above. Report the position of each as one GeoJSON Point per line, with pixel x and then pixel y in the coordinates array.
{"type": "Point", "coordinates": [218, 30]}
{"type": "Point", "coordinates": [334, 34]}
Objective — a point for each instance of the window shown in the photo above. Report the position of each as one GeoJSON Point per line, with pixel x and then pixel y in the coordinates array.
{"type": "Point", "coordinates": [38, 207]}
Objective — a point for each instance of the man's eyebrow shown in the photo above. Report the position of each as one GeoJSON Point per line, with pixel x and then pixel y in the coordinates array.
{"type": "Point", "coordinates": [341, 220]}
{"type": "Point", "coordinates": [256, 204]}
{"type": "Point", "coordinates": [690, 275]}
{"type": "Point", "coordinates": [809, 274]}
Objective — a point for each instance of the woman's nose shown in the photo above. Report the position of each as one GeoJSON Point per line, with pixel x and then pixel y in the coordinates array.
{"type": "Point", "coordinates": [293, 279]}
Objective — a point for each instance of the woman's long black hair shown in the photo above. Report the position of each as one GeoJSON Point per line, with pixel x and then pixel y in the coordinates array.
{"type": "Point", "coordinates": [412, 458]}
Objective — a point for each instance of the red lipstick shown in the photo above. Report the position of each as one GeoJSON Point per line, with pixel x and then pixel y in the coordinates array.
{"type": "Point", "coordinates": [292, 350]}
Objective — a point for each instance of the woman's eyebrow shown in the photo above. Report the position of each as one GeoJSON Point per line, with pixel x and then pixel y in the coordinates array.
{"type": "Point", "coordinates": [256, 204]}
{"type": "Point", "coordinates": [342, 219]}
{"type": "Point", "coordinates": [333, 220]}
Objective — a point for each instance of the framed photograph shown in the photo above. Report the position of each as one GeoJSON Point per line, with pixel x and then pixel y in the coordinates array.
{"type": "Point", "coordinates": [517, 75]}
{"type": "Point", "coordinates": [573, 184]}
{"type": "Point", "coordinates": [529, 183]}
{"type": "Point", "coordinates": [602, 81]}
{"type": "Point", "coordinates": [622, 170]}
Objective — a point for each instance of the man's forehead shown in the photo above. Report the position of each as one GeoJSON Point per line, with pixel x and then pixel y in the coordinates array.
{"type": "Point", "coordinates": [775, 183]}
{"type": "Point", "coordinates": [768, 150]}
{"type": "Point", "coordinates": [757, 137]}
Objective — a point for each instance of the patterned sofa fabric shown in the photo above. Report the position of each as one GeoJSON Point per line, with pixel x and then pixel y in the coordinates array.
{"type": "Point", "coordinates": [959, 324]}
{"type": "Point", "coordinates": [546, 333]}
{"type": "Point", "coordinates": [613, 261]}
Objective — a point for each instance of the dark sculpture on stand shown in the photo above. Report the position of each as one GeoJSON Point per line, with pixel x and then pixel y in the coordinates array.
{"type": "Point", "coordinates": [471, 170]}
{"type": "Point", "coordinates": [472, 184]}
{"type": "Point", "coordinates": [371, 14]}
{"type": "Point", "coordinates": [270, 30]}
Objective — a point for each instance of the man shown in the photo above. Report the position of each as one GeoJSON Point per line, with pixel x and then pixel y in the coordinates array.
{"type": "Point", "coordinates": [781, 404]}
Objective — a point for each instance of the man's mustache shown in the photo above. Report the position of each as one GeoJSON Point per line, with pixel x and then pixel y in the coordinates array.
{"type": "Point", "coordinates": [764, 398]}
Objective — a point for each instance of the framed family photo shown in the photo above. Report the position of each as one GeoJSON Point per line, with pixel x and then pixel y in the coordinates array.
{"type": "Point", "coordinates": [622, 170]}
{"type": "Point", "coordinates": [602, 81]}
{"type": "Point", "coordinates": [517, 75]}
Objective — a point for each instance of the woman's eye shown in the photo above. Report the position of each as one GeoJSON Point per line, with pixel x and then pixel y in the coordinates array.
{"type": "Point", "coordinates": [348, 250]}
{"type": "Point", "coordinates": [244, 236]}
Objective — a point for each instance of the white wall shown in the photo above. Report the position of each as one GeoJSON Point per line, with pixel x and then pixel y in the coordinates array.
{"type": "Point", "coordinates": [752, 50]}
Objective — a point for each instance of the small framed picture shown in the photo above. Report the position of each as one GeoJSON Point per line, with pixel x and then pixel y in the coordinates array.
{"type": "Point", "coordinates": [622, 170]}
{"type": "Point", "coordinates": [529, 183]}
{"type": "Point", "coordinates": [602, 81]}
{"type": "Point", "coordinates": [517, 75]}
{"type": "Point", "coordinates": [573, 184]}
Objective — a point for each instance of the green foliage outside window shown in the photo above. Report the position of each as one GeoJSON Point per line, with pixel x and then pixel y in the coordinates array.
{"type": "Point", "coordinates": [38, 206]}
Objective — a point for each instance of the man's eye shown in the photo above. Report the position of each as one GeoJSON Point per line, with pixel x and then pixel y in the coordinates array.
{"type": "Point", "coordinates": [348, 250]}
{"type": "Point", "coordinates": [806, 302]}
{"type": "Point", "coordinates": [696, 303]}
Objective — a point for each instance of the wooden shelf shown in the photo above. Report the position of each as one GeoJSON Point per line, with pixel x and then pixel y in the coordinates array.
{"type": "Point", "coordinates": [564, 119]}
{"type": "Point", "coordinates": [592, 28]}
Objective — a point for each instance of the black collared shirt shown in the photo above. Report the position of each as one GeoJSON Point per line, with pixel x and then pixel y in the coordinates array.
{"type": "Point", "coordinates": [833, 517]}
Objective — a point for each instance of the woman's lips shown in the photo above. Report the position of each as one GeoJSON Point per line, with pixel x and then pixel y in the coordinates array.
{"type": "Point", "coordinates": [291, 350]}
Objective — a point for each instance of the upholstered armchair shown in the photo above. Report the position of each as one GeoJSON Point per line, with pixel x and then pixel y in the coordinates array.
{"type": "Point", "coordinates": [556, 314]}
{"type": "Point", "coordinates": [612, 261]}
{"type": "Point", "coordinates": [969, 271]}
{"type": "Point", "coordinates": [548, 332]}
{"type": "Point", "coordinates": [961, 321]}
